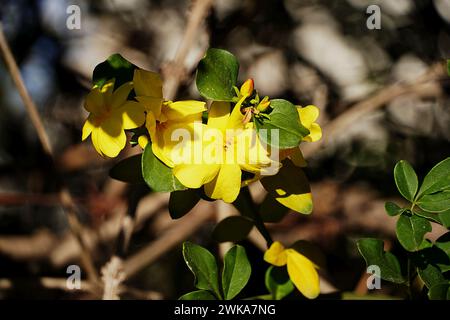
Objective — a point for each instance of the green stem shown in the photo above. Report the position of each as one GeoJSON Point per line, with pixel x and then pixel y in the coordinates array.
{"type": "Point", "coordinates": [252, 212]}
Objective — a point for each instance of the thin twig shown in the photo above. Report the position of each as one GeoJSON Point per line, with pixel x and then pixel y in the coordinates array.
{"type": "Point", "coordinates": [85, 286]}
{"type": "Point", "coordinates": [64, 195]}
{"type": "Point", "coordinates": [423, 86]}
{"type": "Point", "coordinates": [176, 69]}
{"type": "Point", "coordinates": [177, 233]}
{"type": "Point", "coordinates": [29, 104]}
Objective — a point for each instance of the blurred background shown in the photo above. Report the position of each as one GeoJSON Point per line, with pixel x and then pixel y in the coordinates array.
{"type": "Point", "coordinates": [383, 95]}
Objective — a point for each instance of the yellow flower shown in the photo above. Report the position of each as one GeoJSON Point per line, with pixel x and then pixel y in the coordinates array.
{"type": "Point", "coordinates": [111, 114]}
{"type": "Point", "coordinates": [308, 115]}
{"type": "Point", "coordinates": [163, 117]}
{"type": "Point", "coordinates": [301, 270]}
{"type": "Point", "coordinates": [237, 148]}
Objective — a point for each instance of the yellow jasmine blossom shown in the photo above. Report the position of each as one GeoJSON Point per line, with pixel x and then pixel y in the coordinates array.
{"type": "Point", "coordinates": [220, 172]}
{"type": "Point", "coordinates": [111, 114]}
{"type": "Point", "coordinates": [308, 115]}
{"type": "Point", "coordinates": [301, 270]}
{"type": "Point", "coordinates": [163, 117]}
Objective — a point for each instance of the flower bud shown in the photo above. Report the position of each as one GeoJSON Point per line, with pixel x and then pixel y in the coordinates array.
{"type": "Point", "coordinates": [247, 88]}
{"type": "Point", "coordinates": [264, 104]}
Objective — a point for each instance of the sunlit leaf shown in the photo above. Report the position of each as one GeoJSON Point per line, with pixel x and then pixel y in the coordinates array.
{"type": "Point", "coordinates": [411, 230]}
{"type": "Point", "coordinates": [438, 179]}
{"type": "Point", "coordinates": [236, 272]}
{"type": "Point", "coordinates": [373, 252]}
{"type": "Point", "coordinates": [203, 265]}
{"type": "Point", "coordinates": [406, 180]}
{"type": "Point", "coordinates": [283, 130]}
{"type": "Point", "coordinates": [217, 73]}
{"type": "Point", "coordinates": [156, 174]}
{"type": "Point", "coordinates": [278, 283]}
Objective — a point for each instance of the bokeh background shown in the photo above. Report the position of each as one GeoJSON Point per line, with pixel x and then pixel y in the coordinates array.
{"type": "Point", "coordinates": [383, 96]}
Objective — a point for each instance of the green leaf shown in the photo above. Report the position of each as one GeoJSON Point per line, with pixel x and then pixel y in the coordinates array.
{"type": "Point", "coordinates": [438, 179]}
{"type": "Point", "coordinates": [442, 255]}
{"type": "Point", "coordinates": [156, 174]}
{"type": "Point", "coordinates": [434, 255]}
{"type": "Point", "coordinates": [271, 210]}
{"type": "Point", "coordinates": [436, 202]}
{"type": "Point", "coordinates": [431, 275]}
{"type": "Point", "coordinates": [448, 67]}
{"type": "Point", "coordinates": [392, 209]}
{"type": "Point", "coordinates": [236, 272]}
{"type": "Point", "coordinates": [290, 187]}
{"type": "Point", "coordinates": [181, 202]}
{"type": "Point", "coordinates": [278, 282]}
{"type": "Point", "coordinates": [444, 217]}
{"type": "Point", "coordinates": [433, 217]}
{"type": "Point", "coordinates": [440, 292]}
{"type": "Point", "coordinates": [443, 243]}
{"type": "Point", "coordinates": [283, 130]}
{"type": "Point", "coordinates": [116, 67]}
{"type": "Point", "coordinates": [128, 170]}
{"type": "Point", "coordinates": [411, 230]}
{"type": "Point", "coordinates": [217, 73]}
{"type": "Point", "coordinates": [203, 265]}
{"type": "Point", "coordinates": [374, 254]}
{"type": "Point", "coordinates": [198, 295]}
{"type": "Point", "coordinates": [406, 180]}
{"type": "Point", "coordinates": [234, 228]}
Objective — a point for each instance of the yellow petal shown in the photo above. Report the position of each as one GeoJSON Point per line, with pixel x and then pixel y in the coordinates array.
{"type": "Point", "coordinates": [132, 115]}
{"type": "Point", "coordinates": [94, 102]}
{"type": "Point", "coordinates": [147, 83]}
{"type": "Point", "coordinates": [186, 111]}
{"type": "Point", "coordinates": [290, 187]}
{"type": "Point", "coordinates": [107, 91]}
{"type": "Point", "coordinates": [88, 127]}
{"type": "Point", "coordinates": [160, 152]}
{"type": "Point", "coordinates": [151, 104]}
{"type": "Point", "coordinates": [308, 115]}
{"type": "Point", "coordinates": [236, 119]}
{"type": "Point", "coordinates": [150, 124]}
{"type": "Point", "coordinates": [315, 133]}
{"type": "Point", "coordinates": [143, 141]}
{"type": "Point", "coordinates": [178, 143]}
{"type": "Point", "coordinates": [226, 185]}
{"type": "Point", "coordinates": [195, 175]}
{"type": "Point", "coordinates": [111, 137]}
{"type": "Point", "coordinates": [218, 115]}
{"type": "Point", "coordinates": [298, 202]}
{"type": "Point", "coordinates": [276, 254]}
{"type": "Point", "coordinates": [303, 274]}
{"type": "Point", "coordinates": [95, 140]}
{"type": "Point", "coordinates": [120, 95]}
{"type": "Point", "coordinates": [251, 154]}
